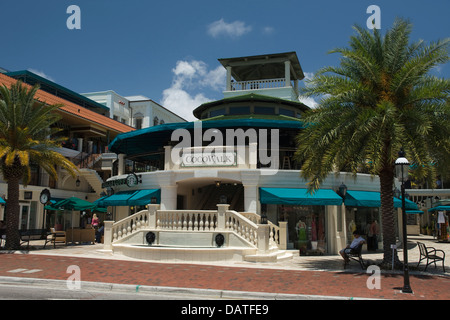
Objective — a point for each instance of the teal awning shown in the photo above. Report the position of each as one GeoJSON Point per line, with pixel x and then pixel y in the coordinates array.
{"type": "Point", "coordinates": [414, 212]}
{"type": "Point", "coordinates": [144, 197]}
{"type": "Point", "coordinates": [130, 198]}
{"type": "Point", "coordinates": [409, 205]}
{"type": "Point", "coordinates": [71, 204]}
{"type": "Point", "coordinates": [362, 199]}
{"type": "Point", "coordinates": [440, 208]}
{"type": "Point", "coordinates": [372, 199]}
{"type": "Point", "coordinates": [299, 197]}
{"type": "Point", "coordinates": [2, 201]}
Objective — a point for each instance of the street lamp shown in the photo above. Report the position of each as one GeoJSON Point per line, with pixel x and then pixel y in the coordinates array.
{"type": "Point", "coordinates": [342, 191]}
{"type": "Point", "coordinates": [401, 167]}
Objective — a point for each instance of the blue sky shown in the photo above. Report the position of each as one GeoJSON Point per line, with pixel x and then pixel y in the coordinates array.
{"type": "Point", "coordinates": [168, 50]}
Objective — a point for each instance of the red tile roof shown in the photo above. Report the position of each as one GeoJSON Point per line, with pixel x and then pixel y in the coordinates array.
{"type": "Point", "coordinates": [73, 109]}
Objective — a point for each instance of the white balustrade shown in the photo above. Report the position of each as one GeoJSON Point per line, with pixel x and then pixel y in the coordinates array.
{"type": "Point", "coordinates": [258, 84]}
{"type": "Point", "coordinates": [130, 224]}
{"type": "Point", "coordinates": [189, 220]}
{"type": "Point", "coordinates": [245, 225]}
{"type": "Point", "coordinates": [242, 226]}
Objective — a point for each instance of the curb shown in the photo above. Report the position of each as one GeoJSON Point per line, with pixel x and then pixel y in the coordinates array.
{"type": "Point", "coordinates": [138, 289]}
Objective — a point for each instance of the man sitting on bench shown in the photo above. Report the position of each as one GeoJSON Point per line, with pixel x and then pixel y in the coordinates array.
{"type": "Point", "coordinates": [358, 240]}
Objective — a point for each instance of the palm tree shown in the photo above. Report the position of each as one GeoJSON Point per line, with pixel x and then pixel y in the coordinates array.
{"type": "Point", "coordinates": [25, 137]}
{"type": "Point", "coordinates": [380, 99]}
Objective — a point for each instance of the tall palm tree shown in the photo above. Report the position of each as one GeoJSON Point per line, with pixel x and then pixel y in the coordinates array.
{"type": "Point", "coordinates": [381, 98]}
{"type": "Point", "coordinates": [25, 137]}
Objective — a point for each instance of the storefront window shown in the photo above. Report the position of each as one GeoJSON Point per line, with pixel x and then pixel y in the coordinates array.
{"type": "Point", "coordinates": [365, 220]}
{"type": "Point", "coordinates": [306, 228]}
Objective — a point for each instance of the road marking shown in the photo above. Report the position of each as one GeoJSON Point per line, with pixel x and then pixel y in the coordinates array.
{"type": "Point", "coordinates": [25, 270]}
{"type": "Point", "coordinates": [17, 270]}
{"type": "Point", "coordinates": [32, 271]}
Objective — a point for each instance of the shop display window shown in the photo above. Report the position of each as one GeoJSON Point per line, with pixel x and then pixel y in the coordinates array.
{"type": "Point", "coordinates": [306, 228]}
{"type": "Point", "coordinates": [367, 222]}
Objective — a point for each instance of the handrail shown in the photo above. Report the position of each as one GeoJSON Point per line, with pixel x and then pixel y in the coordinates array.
{"type": "Point", "coordinates": [274, 229]}
{"type": "Point", "coordinates": [244, 225]}
{"type": "Point", "coordinates": [129, 225]}
{"type": "Point", "coordinates": [258, 84]}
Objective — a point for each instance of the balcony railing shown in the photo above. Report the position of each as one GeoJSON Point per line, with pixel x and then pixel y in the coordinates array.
{"type": "Point", "coordinates": [258, 84]}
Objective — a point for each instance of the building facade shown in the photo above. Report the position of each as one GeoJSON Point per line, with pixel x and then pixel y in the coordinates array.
{"type": "Point", "coordinates": [240, 152]}
{"type": "Point", "coordinates": [136, 111]}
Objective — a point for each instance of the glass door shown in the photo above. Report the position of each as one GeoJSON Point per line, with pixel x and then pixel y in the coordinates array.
{"type": "Point", "coordinates": [24, 219]}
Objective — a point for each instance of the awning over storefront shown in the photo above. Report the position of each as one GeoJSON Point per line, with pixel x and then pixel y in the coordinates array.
{"type": "Point", "coordinates": [299, 197]}
{"type": "Point", "coordinates": [144, 197]}
{"type": "Point", "coordinates": [372, 199]}
{"type": "Point", "coordinates": [130, 198]}
{"type": "Point", "coordinates": [362, 199]}
{"type": "Point", "coordinates": [440, 208]}
{"type": "Point", "coordinates": [71, 204]}
{"type": "Point", "coordinates": [414, 212]}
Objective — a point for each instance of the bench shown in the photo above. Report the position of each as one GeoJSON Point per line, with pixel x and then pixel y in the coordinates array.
{"type": "Point", "coordinates": [355, 255]}
{"type": "Point", "coordinates": [431, 254]}
{"type": "Point", "coordinates": [33, 234]}
{"type": "Point", "coordinates": [57, 236]}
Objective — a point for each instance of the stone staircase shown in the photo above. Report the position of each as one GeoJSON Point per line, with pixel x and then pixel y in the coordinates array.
{"type": "Point", "coordinates": [93, 178]}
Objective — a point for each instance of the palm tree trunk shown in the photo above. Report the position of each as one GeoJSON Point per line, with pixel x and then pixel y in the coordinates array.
{"type": "Point", "coordinates": [387, 215]}
{"type": "Point", "coordinates": [12, 215]}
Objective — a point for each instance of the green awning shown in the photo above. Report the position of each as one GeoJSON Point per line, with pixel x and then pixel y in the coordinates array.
{"type": "Point", "coordinates": [144, 197]}
{"type": "Point", "coordinates": [440, 208]}
{"type": "Point", "coordinates": [362, 199]}
{"type": "Point", "coordinates": [71, 204]}
{"type": "Point", "coordinates": [414, 212]}
{"type": "Point", "coordinates": [130, 198]}
{"type": "Point", "coordinates": [409, 205]}
{"type": "Point", "coordinates": [372, 199]}
{"type": "Point", "coordinates": [299, 197]}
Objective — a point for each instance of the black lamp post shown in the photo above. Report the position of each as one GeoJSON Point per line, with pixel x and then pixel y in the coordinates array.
{"type": "Point", "coordinates": [402, 165]}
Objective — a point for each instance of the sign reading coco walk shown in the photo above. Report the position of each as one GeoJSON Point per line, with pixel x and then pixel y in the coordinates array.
{"type": "Point", "coordinates": [233, 149]}
{"type": "Point", "coordinates": [218, 159]}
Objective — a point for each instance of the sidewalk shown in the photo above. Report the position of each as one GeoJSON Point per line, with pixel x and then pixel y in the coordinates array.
{"type": "Point", "coordinates": [318, 276]}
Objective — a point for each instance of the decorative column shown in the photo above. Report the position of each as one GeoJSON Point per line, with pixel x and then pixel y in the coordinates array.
{"type": "Point", "coordinates": [152, 209]}
{"type": "Point", "coordinates": [250, 181]}
{"type": "Point", "coordinates": [283, 234]}
{"type": "Point", "coordinates": [221, 210]}
{"type": "Point", "coordinates": [167, 158]}
{"type": "Point", "coordinates": [121, 165]}
{"type": "Point", "coordinates": [107, 235]}
{"type": "Point", "coordinates": [228, 78]}
{"type": "Point", "coordinates": [263, 238]}
{"type": "Point", "coordinates": [169, 189]}
{"type": "Point", "coordinates": [80, 144]}
{"type": "Point", "coordinates": [287, 73]}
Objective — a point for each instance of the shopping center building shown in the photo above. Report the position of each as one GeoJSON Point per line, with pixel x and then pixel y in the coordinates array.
{"type": "Point", "coordinates": [229, 170]}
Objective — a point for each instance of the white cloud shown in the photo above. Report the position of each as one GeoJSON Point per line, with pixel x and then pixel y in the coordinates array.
{"type": "Point", "coordinates": [309, 101]}
{"type": "Point", "coordinates": [41, 74]}
{"type": "Point", "coordinates": [268, 30]}
{"type": "Point", "coordinates": [234, 29]}
{"type": "Point", "coordinates": [181, 102]}
{"type": "Point", "coordinates": [191, 76]}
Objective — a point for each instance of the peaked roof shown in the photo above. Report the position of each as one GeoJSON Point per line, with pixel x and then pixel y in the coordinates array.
{"type": "Point", "coordinates": [266, 66]}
